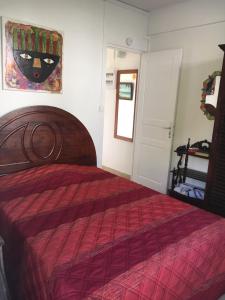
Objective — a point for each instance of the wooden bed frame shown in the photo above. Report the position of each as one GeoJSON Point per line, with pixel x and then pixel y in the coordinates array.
{"type": "Point", "coordinates": [38, 135]}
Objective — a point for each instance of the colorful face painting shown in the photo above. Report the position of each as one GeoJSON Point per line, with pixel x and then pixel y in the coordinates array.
{"type": "Point", "coordinates": [33, 58]}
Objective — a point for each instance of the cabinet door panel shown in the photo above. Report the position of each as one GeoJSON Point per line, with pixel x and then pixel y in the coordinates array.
{"type": "Point", "coordinates": [215, 188]}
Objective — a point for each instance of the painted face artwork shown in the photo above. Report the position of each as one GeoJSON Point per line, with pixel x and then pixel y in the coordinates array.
{"type": "Point", "coordinates": [36, 55]}
{"type": "Point", "coordinates": [35, 66]}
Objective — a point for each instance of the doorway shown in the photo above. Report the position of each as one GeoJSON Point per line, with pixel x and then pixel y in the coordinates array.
{"type": "Point", "coordinates": [145, 158]}
{"type": "Point", "coordinates": [119, 110]}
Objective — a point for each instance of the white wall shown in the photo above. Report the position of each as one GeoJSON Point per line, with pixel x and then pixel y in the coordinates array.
{"type": "Point", "coordinates": [117, 154]}
{"type": "Point", "coordinates": [124, 22]}
{"type": "Point", "coordinates": [82, 22]}
{"type": "Point", "coordinates": [197, 26]}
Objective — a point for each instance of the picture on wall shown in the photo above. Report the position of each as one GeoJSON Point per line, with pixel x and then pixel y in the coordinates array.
{"type": "Point", "coordinates": [32, 57]}
{"type": "Point", "coordinates": [126, 91]}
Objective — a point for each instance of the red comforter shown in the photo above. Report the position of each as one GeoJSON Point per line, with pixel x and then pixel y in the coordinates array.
{"type": "Point", "coordinates": [75, 232]}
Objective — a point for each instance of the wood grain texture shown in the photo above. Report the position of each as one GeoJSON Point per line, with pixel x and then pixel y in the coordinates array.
{"type": "Point", "coordinates": [4, 292]}
{"type": "Point", "coordinates": [38, 135]}
{"type": "Point", "coordinates": [215, 187]}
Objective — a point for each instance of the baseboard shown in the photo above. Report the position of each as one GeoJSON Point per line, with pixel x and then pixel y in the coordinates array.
{"type": "Point", "coordinates": [118, 173]}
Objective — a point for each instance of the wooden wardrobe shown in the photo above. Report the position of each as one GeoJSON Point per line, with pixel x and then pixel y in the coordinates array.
{"type": "Point", "coordinates": [215, 187]}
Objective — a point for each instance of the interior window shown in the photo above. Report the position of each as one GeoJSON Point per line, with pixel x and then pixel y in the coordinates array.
{"type": "Point", "coordinates": [126, 90]}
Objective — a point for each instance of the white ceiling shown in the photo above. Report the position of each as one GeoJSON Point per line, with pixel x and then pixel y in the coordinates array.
{"type": "Point", "coordinates": [149, 5]}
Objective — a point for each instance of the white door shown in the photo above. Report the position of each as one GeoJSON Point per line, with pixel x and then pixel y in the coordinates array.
{"type": "Point", "coordinates": [156, 107]}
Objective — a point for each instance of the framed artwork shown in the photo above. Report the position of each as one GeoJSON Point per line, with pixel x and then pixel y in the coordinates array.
{"type": "Point", "coordinates": [126, 91]}
{"type": "Point", "coordinates": [32, 57]}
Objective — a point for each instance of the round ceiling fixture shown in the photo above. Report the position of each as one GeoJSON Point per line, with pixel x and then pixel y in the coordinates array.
{"type": "Point", "coordinates": [129, 41]}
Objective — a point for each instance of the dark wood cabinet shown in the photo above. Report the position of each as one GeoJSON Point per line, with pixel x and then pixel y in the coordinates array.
{"type": "Point", "coordinates": [4, 295]}
{"type": "Point", "coordinates": [215, 187]}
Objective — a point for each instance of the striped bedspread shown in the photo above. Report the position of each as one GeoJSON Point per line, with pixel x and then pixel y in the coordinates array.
{"type": "Point", "coordinates": [75, 232]}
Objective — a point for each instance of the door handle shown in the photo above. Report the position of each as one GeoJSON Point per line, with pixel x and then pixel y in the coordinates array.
{"type": "Point", "coordinates": [170, 131]}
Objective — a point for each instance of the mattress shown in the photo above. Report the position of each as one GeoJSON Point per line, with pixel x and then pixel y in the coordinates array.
{"type": "Point", "coordinates": [78, 232]}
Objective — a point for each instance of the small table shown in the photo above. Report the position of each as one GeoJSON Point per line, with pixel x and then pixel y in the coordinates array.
{"type": "Point", "coordinates": [4, 294]}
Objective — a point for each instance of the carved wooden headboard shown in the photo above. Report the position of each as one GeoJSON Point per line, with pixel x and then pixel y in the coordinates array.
{"type": "Point", "coordinates": [39, 135]}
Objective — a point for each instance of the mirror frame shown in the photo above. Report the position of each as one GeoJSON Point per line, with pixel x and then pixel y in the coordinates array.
{"type": "Point", "coordinates": [119, 72]}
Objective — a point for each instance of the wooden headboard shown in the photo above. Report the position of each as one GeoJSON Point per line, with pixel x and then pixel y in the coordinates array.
{"type": "Point", "coordinates": [38, 135]}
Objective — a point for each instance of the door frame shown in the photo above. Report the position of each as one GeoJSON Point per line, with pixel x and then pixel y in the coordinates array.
{"type": "Point", "coordinates": [101, 104]}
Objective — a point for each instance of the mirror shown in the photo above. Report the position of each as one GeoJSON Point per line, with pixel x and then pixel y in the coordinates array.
{"type": "Point", "coordinates": [210, 92]}
{"type": "Point", "coordinates": [212, 96]}
{"type": "Point", "coordinates": [126, 90]}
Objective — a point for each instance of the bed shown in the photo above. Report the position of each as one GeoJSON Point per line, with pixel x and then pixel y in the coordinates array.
{"type": "Point", "coordinates": [73, 231]}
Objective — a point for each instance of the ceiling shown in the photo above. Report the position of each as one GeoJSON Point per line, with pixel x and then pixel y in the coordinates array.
{"type": "Point", "coordinates": [149, 5]}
